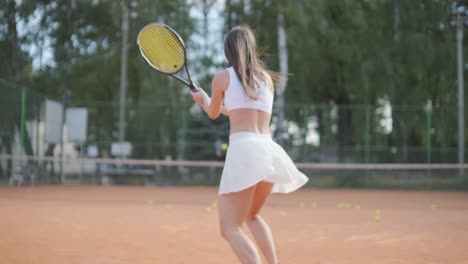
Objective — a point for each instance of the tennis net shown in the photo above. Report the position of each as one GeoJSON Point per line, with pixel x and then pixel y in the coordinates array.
{"type": "Point", "coordinates": [46, 170]}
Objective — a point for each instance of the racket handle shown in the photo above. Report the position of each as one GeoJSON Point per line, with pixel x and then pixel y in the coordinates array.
{"type": "Point", "coordinates": [193, 88]}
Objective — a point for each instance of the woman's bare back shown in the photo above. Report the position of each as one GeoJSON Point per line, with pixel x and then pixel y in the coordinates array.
{"type": "Point", "coordinates": [249, 120]}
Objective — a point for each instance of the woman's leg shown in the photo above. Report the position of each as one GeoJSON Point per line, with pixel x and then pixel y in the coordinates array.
{"type": "Point", "coordinates": [233, 210]}
{"type": "Point", "coordinates": [259, 228]}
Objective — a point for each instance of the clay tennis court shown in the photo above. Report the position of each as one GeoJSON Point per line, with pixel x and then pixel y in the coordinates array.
{"type": "Point", "coordinates": [92, 224]}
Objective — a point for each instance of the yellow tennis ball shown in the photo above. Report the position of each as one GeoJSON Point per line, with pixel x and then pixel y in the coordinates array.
{"type": "Point", "coordinates": [224, 146]}
{"type": "Point", "coordinates": [378, 215]}
{"type": "Point", "coordinates": [343, 205]}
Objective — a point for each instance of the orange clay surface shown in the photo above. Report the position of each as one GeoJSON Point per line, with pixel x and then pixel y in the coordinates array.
{"type": "Point", "coordinates": [117, 225]}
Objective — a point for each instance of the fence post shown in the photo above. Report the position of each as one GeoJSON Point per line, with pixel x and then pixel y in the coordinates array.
{"type": "Point", "coordinates": [367, 109]}
{"type": "Point", "coordinates": [429, 145]}
{"type": "Point", "coordinates": [367, 134]}
{"type": "Point", "coordinates": [306, 130]}
{"type": "Point", "coordinates": [64, 120]}
{"type": "Point", "coordinates": [429, 138]}
{"type": "Point", "coordinates": [22, 125]}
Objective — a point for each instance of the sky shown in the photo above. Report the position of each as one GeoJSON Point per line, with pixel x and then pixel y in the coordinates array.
{"type": "Point", "coordinates": [40, 57]}
{"type": "Point", "coordinates": [43, 56]}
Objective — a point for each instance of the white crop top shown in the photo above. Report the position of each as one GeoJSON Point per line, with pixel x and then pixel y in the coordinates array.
{"type": "Point", "coordinates": [235, 96]}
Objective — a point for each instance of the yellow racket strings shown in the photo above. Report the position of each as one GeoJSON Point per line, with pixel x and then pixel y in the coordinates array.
{"type": "Point", "coordinates": [162, 48]}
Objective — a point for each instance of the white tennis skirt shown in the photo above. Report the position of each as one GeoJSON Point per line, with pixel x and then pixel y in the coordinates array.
{"type": "Point", "coordinates": [253, 157]}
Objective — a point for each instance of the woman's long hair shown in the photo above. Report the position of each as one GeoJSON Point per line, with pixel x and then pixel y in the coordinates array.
{"type": "Point", "coordinates": [240, 49]}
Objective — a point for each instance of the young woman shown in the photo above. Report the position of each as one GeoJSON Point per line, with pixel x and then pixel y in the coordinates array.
{"type": "Point", "coordinates": [255, 165]}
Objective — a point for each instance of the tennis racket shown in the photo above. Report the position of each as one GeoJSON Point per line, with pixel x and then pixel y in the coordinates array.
{"type": "Point", "coordinates": [164, 50]}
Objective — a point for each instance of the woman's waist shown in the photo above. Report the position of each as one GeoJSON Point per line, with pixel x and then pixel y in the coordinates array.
{"type": "Point", "coordinates": [249, 120]}
{"type": "Point", "coordinates": [250, 127]}
{"type": "Point", "coordinates": [249, 135]}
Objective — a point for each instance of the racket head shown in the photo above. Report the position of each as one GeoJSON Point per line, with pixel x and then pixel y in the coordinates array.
{"type": "Point", "coordinates": [162, 48]}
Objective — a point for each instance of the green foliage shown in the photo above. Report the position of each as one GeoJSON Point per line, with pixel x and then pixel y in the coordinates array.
{"type": "Point", "coordinates": [345, 57]}
{"type": "Point", "coordinates": [347, 53]}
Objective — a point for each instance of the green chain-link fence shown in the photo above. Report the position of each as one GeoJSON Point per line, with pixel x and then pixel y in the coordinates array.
{"type": "Point", "coordinates": [311, 133]}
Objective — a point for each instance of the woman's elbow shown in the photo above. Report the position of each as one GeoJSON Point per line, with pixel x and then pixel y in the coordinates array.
{"type": "Point", "coordinates": [212, 115]}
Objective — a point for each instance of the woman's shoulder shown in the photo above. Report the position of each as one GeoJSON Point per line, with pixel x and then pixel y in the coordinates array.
{"type": "Point", "coordinates": [221, 79]}
{"type": "Point", "coordinates": [268, 80]}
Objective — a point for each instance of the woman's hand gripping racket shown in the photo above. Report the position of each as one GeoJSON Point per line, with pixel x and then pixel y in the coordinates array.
{"type": "Point", "coordinates": [164, 50]}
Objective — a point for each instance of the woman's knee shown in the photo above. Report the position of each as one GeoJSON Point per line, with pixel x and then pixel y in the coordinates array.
{"type": "Point", "coordinates": [252, 217]}
{"type": "Point", "coordinates": [227, 231]}
{"type": "Point", "coordinates": [253, 213]}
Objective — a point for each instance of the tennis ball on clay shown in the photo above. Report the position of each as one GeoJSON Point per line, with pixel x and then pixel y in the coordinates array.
{"type": "Point", "coordinates": [344, 205]}
{"type": "Point", "coordinates": [214, 204]}
{"type": "Point", "coordinates": [378, 215]}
